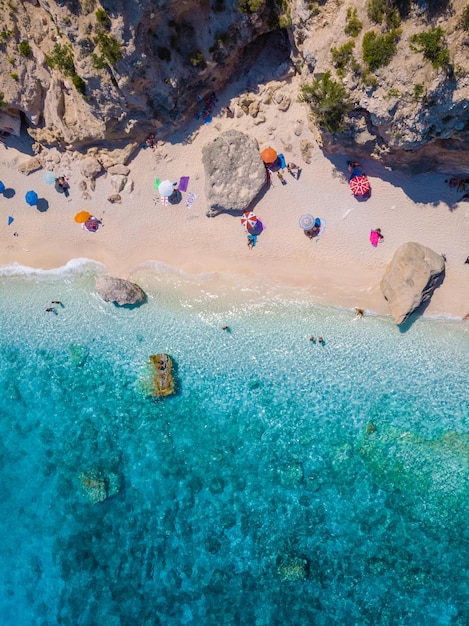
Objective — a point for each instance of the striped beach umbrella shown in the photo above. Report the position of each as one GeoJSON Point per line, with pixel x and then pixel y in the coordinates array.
{"type": "Point", "coordinates": [249, 220]}
{"type": "Point", "coordinates": [306, 221]}
{"type": "Point", "coordinates": [359, 185]}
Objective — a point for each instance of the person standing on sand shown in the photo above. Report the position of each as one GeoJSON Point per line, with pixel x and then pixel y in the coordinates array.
{"type": "Point", "coordinates": [359, 312]}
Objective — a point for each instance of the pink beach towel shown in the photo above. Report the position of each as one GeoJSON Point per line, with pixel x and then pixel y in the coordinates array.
{"type": "Point", "coordinates": [183, 183]}
{"type": "Point", "coordinates": [374, 238]}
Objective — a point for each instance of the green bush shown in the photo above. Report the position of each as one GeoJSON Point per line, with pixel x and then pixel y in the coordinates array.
{"type": "Point", "coordinates": [62, 58]}
{"type": "Point", "coordinates": [341, 57]}
{"type": "Point", "coordinates": [197, 59]}
{"type": "Point", "coordinates": [109, 47]}
{"type": "Point", "coordinates": [419, 91]}
{"type": "Point", "coordinates": [79, 84]}
{"type": "Point", "coordinates": [251, 6]}
{"type": "Point", "coordinates": [14, 76]}
{"type": "Point", "coordinates": [24, 48]}
{"type": "Point", "coordinates": [353, 26]}
{"type": "Point", "coordinates": [378, 50]}
{"type": "Point", "coordinates": [99, 63]}
{"type": "Point", "coordinates": [431, 44]}
{"type": "Point", "coordinates": [2, 101]}
{"type": "Point", "coordinates": [103, 18]}
{"type": "Point", "coordinates": [465, 18]}
{"type": "Point", "coordinates": [383, 10]}
{"type": "Point", "coordinates": [328, 100]}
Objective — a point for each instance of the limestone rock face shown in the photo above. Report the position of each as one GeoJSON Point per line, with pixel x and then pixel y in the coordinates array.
{"type": "Point", "coordinates": [234, 172]}
{"type": "Point", "coordinates": [119, 290]}
{"type": "Point", "coordinates": [410, 278]}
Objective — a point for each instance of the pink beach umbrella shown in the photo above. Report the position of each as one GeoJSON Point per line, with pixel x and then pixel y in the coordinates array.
{"type": "Point", "coordinates": [359, 185]}
{"type": "Point", "coordinates": [249, 220]}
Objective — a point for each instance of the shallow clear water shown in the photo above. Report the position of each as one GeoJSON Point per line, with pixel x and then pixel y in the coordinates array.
{"type": "Point", "coordinates": [285, 483]}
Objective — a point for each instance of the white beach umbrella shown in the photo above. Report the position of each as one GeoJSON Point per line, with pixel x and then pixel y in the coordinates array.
{"type": "Point", "coordinates": [165, 188]}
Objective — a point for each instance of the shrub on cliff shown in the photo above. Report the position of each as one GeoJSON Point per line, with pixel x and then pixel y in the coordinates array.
{"type": "Point", "coordinates": [378, 50]}
{"type": "Point", "coordinates": [431, 44]}
{"type": "Point", "coordinates": [328, 100]}
{"type": "Point", "coordinates": [251, 6]}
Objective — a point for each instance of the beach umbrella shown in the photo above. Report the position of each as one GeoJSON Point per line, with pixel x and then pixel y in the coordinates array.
{"type": "Point", "coordinates": [82, 217]}
{"type": "Point", "coordinates": [359, 185]}
{"type": "Point", "coordinates": [269, 155]}
{"type": "Point", "coordinates": [49, 178]}
{"type": "Point", "coordinates": [31, 198]}
{"type": "Point", "coordinates": [249, 220]}
{"type": "Point", "coordinates": [165, 188]}
{"type": "Point", "coordinates": [306, 221]}
{"type": "Point", "coordinates": [2, 187]}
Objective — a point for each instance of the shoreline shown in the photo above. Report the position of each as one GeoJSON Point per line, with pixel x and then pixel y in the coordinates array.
{"type": "Point", "coordinates": [154, 275]}
{"type": "Point", "coordinates": [339, 268]}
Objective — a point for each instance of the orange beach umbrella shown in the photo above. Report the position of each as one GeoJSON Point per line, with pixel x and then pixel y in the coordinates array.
{"type": "Point", "coordinates": [268, 155]}
{"type": "Point", "coordinates": [82, 217]}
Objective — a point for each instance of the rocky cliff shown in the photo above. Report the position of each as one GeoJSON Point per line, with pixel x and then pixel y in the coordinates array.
{"type": "Point", "coordinates": [80, 72]}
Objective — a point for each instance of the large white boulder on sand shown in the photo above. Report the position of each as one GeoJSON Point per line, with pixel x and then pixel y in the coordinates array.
{"type": "Point", "coordinates": [410, 278]}
{"type": "Point", "coordinates": [234, 172]}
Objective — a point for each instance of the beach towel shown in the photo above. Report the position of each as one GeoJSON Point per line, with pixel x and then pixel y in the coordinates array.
{"type": "Point", "coordinates": [10, 220]}
{"type": "Point", "coordinates": [374, 238]}
{"type": "Point", "coordinates": [190, 200]}
{"type": "Point", "coordinates": [183, 183]}
{"type": "Point", "coordinates": [164, 200]}
{"type": "Point", "coordinates": [253, 238]}
{"type": "Point", "coordinates": [321, 230]}
{"type": "Point", "coordinates": [157, 183]}
{"type": "Point", "coordinates": [281, 161]}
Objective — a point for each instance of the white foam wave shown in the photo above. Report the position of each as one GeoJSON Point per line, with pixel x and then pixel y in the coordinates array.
{"type": "Point", "coordinates": [74, 266]}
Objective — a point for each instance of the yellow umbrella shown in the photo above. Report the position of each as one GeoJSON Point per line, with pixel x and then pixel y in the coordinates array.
{"type": "Point", "coordinates": [82, 217]}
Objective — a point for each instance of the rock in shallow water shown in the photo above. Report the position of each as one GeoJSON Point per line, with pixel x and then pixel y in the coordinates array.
{"type": "Point", "coordinates": [98, 486]}
{"type": "Point", "coordinates": [410, 279]}
{"type": "Point", "coordinates": [119, 290]}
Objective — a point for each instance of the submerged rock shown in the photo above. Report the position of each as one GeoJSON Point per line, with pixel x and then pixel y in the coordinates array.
{"type": "Point", "coordinates": [119, 290]}
{"type": "Point", "coordinates": [234, 172]}
{"type": "Point", "coordinates": [410, 279]}
{"type": "Point", "coordinates": [292, 569]}
{"type": "Point", "coordinates": [79, 354]}
{"type": "Point", "coordinates": [98, 486]}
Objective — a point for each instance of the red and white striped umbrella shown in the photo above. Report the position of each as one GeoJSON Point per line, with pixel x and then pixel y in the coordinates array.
{"type": "Point", "coordinates": [359, 185]}
{"type": "Point", "coordinates": [249, 220]}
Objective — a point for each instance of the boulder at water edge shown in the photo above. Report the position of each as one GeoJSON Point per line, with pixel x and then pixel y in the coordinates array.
{"type": "Point", "coordinates": [234, 172]}
{"type": "Point", "coordinates": [410, 279]}
{"type": "Point", "coordinates": [119, 290]}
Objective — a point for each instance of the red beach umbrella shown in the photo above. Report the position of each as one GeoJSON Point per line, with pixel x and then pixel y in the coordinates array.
{"type": "Point", "coordinates": [249, 220]}
{"type": "Point", "coordinates": [269, 155]}
{"type": "Point", "coordinates": [359, 185]}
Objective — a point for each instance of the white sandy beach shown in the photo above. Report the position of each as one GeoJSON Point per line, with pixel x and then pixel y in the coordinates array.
{"type": "Point", "coordinates": [339, 268]}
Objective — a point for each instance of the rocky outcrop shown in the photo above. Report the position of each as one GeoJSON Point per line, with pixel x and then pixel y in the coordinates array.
{"type": "Point", "coordinates": [98, 486]}
{"type": "Point", "coordinates": [120, 291]}
{"type": "Point", "coordinates": [410, 279]}
{"type": "Point", "coordinates": [79, 76]}
{"type": "Point", "coordinates": [161, 367]}
{"type": "Point", "coordinates": [234, 172]}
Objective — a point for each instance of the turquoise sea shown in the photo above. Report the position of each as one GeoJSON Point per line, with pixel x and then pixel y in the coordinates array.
{"type": "Point", "coordinates": [286, 483]}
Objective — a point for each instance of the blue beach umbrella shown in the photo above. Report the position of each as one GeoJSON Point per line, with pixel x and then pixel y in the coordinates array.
{"type": "Point", "coordinates": [49, 178]}
{"type": "Point", "coordinates": [31, 198]}
{"type": "Point", "coordinates": [2, 187]}
{"type": "Point", "coordinates": [306, 221]}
